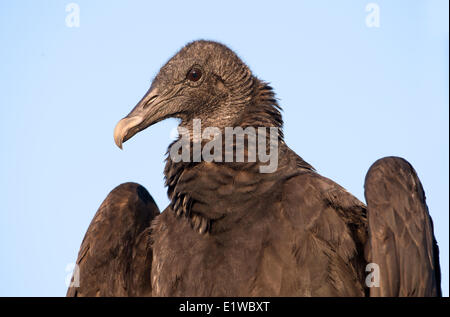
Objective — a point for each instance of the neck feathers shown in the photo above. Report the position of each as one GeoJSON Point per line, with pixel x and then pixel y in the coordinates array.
{"type": "Point", "coordinates": [263, 110]}
{"type": "Point", "coordinates": [260, 110]}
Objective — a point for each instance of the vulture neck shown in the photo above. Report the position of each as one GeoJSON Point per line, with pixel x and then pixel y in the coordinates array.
{"type": "Point", "coordinates": [263, 110]}
{"type": "Point", "coordinates": [254, 106]}
{"type": "Point", "coordinates": [187, 180]}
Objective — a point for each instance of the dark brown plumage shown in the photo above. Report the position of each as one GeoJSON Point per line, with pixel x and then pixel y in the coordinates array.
{"type": "Point", "coordinates": [231, 230]}
{"type": "Point", "coordinates": [401, 237]}
{"type": "Point", "coordinates": [115, 258]}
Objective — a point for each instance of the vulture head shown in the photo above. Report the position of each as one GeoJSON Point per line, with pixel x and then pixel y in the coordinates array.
{"type": "Point", "coordinates": [204, 80]}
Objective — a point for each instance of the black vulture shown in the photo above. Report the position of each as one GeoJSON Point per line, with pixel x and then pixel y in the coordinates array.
{"type": "Point", "coordinates": [231, 228]}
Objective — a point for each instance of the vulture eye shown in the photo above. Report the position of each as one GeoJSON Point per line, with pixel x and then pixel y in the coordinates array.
{"type": "Point", "coordinates": [194, 74]}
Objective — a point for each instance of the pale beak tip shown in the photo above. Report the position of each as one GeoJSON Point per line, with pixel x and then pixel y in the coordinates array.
{"type": "Point", "coordinates": [119, 141]}
{"type": "Point", "coordinates": [121, 131]}
{"type": "Point", "coordinates": [119, 144]}
{"type": "Point", "coordinates": [118, 138]}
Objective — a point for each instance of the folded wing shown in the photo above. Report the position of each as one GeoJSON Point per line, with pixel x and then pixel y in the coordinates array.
{"type": "Point", "coordinates": [401, 238]}
{"type": "Point", "coordinates": [115, 256]}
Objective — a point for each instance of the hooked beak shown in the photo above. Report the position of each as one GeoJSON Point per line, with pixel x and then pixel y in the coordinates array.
{"type": "Point", "coordinates": [147, 112]}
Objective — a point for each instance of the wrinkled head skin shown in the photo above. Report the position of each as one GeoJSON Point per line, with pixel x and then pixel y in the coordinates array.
{"type": "Point", "coordinates": [204, 80]}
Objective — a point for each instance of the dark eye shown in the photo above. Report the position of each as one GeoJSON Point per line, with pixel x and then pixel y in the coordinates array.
{"type": "Point", "coordinates": [194, 74]}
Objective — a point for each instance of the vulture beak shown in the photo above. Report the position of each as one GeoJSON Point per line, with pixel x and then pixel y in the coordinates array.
{"type": "Point", "coordinates": [147, 112]}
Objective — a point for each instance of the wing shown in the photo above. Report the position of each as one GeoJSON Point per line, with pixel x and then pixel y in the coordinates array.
{"type": "Point", "coordinates": [115, 256]}
{"type": "Point", "coordinates": [329, 236]}
{"type": "Point", "coordinates": [401, 239]}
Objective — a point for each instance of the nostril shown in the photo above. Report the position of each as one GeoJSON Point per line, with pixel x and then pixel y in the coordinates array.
{"type": "Point", "coordinates": [150, 101]}
{"type": "Point", "coordinates": [152, 98]}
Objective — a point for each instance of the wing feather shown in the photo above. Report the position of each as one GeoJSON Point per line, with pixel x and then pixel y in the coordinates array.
{"type": "Point", "coordinates": [115, 256]}
{"type": "Point", "coordinates": [401, 238]}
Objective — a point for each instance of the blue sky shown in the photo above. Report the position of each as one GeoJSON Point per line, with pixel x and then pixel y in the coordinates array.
{"type": "Point", "coordinates": [351, 94]}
